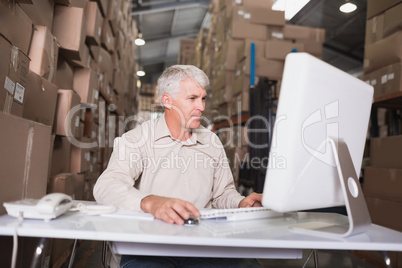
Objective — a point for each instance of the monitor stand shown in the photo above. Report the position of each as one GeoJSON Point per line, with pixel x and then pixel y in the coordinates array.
{"type": "Point", "coordinates": [358, 215]}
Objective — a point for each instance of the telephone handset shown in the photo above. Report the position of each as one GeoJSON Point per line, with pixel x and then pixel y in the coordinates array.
{"type": "Point", "coordinates": [48, 207]}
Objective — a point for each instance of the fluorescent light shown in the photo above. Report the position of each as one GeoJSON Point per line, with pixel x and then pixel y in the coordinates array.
{"type": "Point", "coordinates": [347, 7]}
{"type": "Point", "coordinates": [291, 7]}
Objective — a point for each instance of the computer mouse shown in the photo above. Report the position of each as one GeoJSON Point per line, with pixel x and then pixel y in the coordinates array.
{"type": "Point", "coordinates": [191, 221]}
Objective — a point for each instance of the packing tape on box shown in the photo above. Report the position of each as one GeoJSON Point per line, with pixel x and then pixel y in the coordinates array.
{"type": "Point", "coordinates": [8, 103]}
{"type": "Point", "coordinates": [52, 65]}
{"type": "Point", "coordinates": [28, 155]}
{"type": "Point", "coordinates": [14, 57]}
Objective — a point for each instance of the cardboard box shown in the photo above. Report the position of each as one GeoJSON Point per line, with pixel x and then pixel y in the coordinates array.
{"type": "Point", "coordinates": [385, 213]}
{"type": "Point", "coordinates": [80, 159]}
{"type": "Point", "coordinates": [14, 66]}
{"type": "Point", "coordinates": [77, 3]}
{"type": "Point", "coordinates": [65, 74]}
{"type": "Point", "coordinates": [313, 48]}
{"type": "Point", "coordinates": [303, 33]}
{"type": "Point", "coordinates": [245, 50]}
{"type": "Point", "coordinates": [264, 16]}
{"type": "Point", "coordinates": [392, 20]}
{"type": "Point", "coordinates": [107, 38]}
{"type": "Point", "coordinates": [278, 50]}
{"type": "Point", "coordinates": [64, 2]}
{"type": "Point", "coordinates": [383, 183]}
{"type": "Point", "coordinates": [40, 100]}
{"type": "Point", "coordinates": [40, 12]}
{"type": "Point", "coordinates": [94, 22]}
{"type": "Point", "coordinates": [375, 7]}
{"type": "Point", "coordinates": [70, 183]}
{"type": "Point", "coordinates": [271, 69]}
{"type": "Point", "coordinates": [386, 152]}
{"type": "Point", "coordinates": [384, 52]}
{"type": "Point", "coordinates": [275, 32]}
{"type": "Point", "coordinates": [231, 56]}
{"type": "Point", "coordinates": [112, 15]}
{"type": "Point", "coordinates": [120, 43]}
{"type": "Point", "coordinates": [240, 27]}
{"type": "Point", "coordinates": [61, 156]}
{"type": "Point", "coordinates": [69, 28]}
{"type": "Point", "coordinates": [386, 80]}
{"type": "Point", "coordinates": [106, 72]}
{"type": "Point", "coordinates": [24, 159]}
{"type": "Point", "coordinates": [240, 103]}
{"type": "Point", "coordinates": [15, 25]}
{"type": "Point", "coordinates": [85, 61]}
{"type": "Point", "coordinates": [118, 82]}
{"type": "Point", "coordinates": [67, 117]}
{"type": "Point", "coordinates": [86, 85]}
{"type": "Point", "coordinates": [43, 53]}
{"type": "Point", "coordinates": [263, 4]}
{"type": "Point", "coordinates": [374, 29]}
{"type": "Point", "coordinates": [102, 4]}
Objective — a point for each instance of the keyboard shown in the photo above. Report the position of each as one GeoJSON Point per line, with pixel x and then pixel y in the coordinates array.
{"type": "Point", "coordinates": [238, 214]}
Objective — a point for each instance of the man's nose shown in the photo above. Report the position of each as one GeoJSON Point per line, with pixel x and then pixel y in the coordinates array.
{"type": "Point", "coordinates": [201, 105]}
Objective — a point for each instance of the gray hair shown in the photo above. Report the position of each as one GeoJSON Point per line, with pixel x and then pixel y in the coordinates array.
{"type": "Point", "coordinates": [170, 80]}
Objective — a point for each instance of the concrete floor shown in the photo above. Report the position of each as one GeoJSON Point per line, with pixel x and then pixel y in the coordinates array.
{"type": "Point", "coordinates": [89, 255]}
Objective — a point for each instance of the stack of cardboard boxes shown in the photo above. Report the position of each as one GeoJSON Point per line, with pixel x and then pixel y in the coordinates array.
{"type": "Point", "coordinates": [383, 53]}
{"type": "Point", "coordinates": [223, 52]}
{"type": "Point", "coordinates": [382, 69]}
{"type": "Point", "coordinates": [67, 70]}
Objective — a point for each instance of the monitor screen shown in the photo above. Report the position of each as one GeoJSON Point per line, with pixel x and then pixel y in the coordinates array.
{"type": "Point", "coordinates": [317, 101]}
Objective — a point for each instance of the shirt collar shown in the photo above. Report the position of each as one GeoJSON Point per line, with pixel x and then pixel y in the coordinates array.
{"type": "Point", "coordinates": [198, 135]}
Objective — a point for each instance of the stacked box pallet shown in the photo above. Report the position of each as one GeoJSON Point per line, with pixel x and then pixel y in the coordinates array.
{"type": "Point", "coordinates": [382, 190]}
{"type": "Point", "coordinates": [382, 69]}
{"type": "Point", "coordinates": [146, 98]}
{"type": "Point", "coordinates": [383, 43]}
{"type": "Point", "coordinates": [187, 51]}
{"type": "Point", "coordinates": [67, 69]}
{"type": "Point", "coordinates": [234, 26]}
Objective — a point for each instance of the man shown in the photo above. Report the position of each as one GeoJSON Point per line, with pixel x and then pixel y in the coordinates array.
{"type": "Point", "coordinates": [171, 167]}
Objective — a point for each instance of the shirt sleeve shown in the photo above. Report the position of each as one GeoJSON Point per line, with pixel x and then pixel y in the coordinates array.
{"type": "Point", "coordinates": [225, 194]}
{"type": "Point", "coordinates": [115, 186]}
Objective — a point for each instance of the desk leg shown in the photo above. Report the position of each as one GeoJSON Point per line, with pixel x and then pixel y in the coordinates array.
{"type": "Point", "coordinates": [316, 265]}
{"type": "Point", "coordinates": [313, 253]}
{"type": "Point", "coordinates": [73, 251]}
{"type": "Point", "coordinates": [108, 255]}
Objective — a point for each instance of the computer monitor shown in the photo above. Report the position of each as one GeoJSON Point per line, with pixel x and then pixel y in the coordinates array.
{"type": "Point", "coordinates": [318, 143]}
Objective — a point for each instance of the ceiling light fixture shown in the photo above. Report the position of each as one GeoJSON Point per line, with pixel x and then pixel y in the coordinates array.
{"type": "Point", "coordinates": [139, 41]}
{"type": "Point", "coordinates": [347, 7]}
{"type": "Point", "coordinates": [140, 72]}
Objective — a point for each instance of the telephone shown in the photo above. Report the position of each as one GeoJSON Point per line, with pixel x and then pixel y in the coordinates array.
{"type": "Point", "coordinates": [48, 207]}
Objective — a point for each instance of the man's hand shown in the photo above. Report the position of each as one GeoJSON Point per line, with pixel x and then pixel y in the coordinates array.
{"type": "Point", "coordinates": [253, 200]}
{"type": "Point", "coordinates": [170, 210]}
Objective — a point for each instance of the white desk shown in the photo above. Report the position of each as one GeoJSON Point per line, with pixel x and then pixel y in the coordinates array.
{"type": "Point", "coordinates": [268, 238]}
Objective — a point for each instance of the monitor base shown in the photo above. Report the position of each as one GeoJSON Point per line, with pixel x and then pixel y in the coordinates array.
{"type": "Point", "coordinates": [358, 215]}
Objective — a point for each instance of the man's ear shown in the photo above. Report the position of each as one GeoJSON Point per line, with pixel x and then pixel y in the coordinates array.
{"type": "Point", "coordinates": [167, 101]}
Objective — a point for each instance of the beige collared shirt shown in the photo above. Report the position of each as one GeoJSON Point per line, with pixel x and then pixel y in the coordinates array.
{"type": "Point", "coordinates": [148, 160]}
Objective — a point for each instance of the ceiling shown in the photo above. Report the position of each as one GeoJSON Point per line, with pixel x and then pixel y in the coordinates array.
{"type": "Point", "coordinates": [164, 22]}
